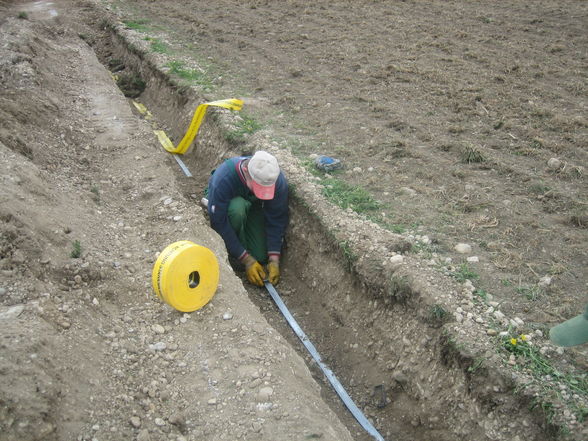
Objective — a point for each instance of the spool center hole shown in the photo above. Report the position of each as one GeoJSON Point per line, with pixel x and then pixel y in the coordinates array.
{"type": "Point", "coordinates": [194, 279]}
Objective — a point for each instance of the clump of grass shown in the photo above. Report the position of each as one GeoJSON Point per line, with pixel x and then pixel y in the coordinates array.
{"type": "Point", "coordinates": [438, 315]}
{"type": "Point", "coordinates": [244, 127]}
{"type": "Point", "coordinates": [471, 154]}
{"type": "Point", "coordinates": [480, 295]}
{"type": "Point", "coordinates": [23, 15]}
{"type": "Point", "coordinates": [350, 256]}
{"type": "Point", "coordinates": [529, 357]}
{"type": "Point", "coordinates": [96, 192]}
{"type": "Point", "coordinates": [193, 76]}
{"type": "Point", "coordinates": [579, 218]}
{"type": "Point", "coordinates": [530, 292]}
{"type": "Point", "coordinates": [139, 25]}
{"type": "Point", "coordinates": [399, 289]}
{"type": "Point", "coordinates": [348, 196]}
{"type": "Point", "coordinates": [539, 188]}
{"type": "Point", "coordinates": [158, 46]}
{"type": "Point", "coordinates": [76, 251]}
{"type": "Point", "coordinates": [464, 272]}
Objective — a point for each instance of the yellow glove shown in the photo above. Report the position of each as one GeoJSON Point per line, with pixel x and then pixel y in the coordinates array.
{"type": "Point", "coordinates": [253, 270]}
{"type": "Point", "coordinates": [273, 268]}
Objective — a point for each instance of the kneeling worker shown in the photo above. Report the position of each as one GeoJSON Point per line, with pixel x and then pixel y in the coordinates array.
{"type": "Point", "coordinates": [248, 207]}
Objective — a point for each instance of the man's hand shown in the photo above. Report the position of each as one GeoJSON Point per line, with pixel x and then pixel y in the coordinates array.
{"type": "Point", "coordinates": [254, 271]}
{"type": "Point", "coordinates": [273, 268]}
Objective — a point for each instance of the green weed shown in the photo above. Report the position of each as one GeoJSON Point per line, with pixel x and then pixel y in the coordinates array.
{"type": "Point", "coordinates": [471, 154]}
{"type": "Point", "coordinates": [348, 196]}
{"type": "Point", "coordinates": [76, 251]}
{"type": "Point", "coordinates": [529, 358]}
{"type": "Point", "coordinates": [193, 76]}
{"type": "Point", "coordinates": [438, 315]}
{"type": "Point", "coordinates": [476, 365]}
{"type": "Point", "coordinates": [23, 15]}
{"type": "Point", "coordinates": [399, 289]}
{"type": "Point", "coordinates": [245, 126]}
{"type": "Point", "coordinates": [463, 273]}
{"type": "Point", "coordinates": [530, 292]}
{"type": "Point", "coordinates": [348, 253]}
{"type": "Point", "coordinates": [139, 25]}
{"type": "Point", "coordinates": [539, 188]}
{"type": "Point", "coordinates": [481, 295]}
{"type": "Point", "coordinates": [96, 192]}
{"type": "Point", "coordinates": [159, 47]}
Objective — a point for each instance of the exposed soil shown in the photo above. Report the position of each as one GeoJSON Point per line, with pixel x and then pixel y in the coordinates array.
{"type": "Point", "coordinates": [465, 121]}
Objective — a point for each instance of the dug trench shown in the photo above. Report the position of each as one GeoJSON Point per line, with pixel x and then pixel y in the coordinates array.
{"type": "Point", "coordinates": [386, 330]}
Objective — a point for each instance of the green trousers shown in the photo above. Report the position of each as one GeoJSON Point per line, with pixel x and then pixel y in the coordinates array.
{"type": "Point", "coordinates": [247, 220]}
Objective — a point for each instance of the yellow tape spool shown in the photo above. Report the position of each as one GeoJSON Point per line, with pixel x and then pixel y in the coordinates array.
{"type": "Point", "coordinates": [185, 276]}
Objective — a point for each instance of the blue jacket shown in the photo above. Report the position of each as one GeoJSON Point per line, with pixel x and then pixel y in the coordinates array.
{"type": "Point", "coordinates": [226, 184]}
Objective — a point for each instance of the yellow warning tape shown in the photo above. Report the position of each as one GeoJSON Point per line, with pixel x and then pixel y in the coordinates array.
{"type": "Point", "coordinates": [185, 276]}
{"type": "Point", "coordinates": [186, 142]}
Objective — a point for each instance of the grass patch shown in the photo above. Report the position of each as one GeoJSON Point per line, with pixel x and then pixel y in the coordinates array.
{"type": "Point", "coordinates": [539, 188]}
{"type": "Point", "coordinates": [244, 127]}
{"type": "Point", "coordinates": [438, 315]}
{"type": "Point", "coordinates": [471, 154]}
{"type": "Point", "coordinates": [480, 295]}
{"type": "Point", "coordinates": [192, 76]}
{"type": "Point", "coordinates": [23, 15]}
{"type": "Point", "coordinates": [139, 25]}
{"type": "Point", "coordinates": [530, 292]}
{"type": "Point", "coordinates": [399, 289]}
{"type": "Point", "coordinates": [158, 46]}
{"type": "Point", "coordinates": [76, 251]}
{"type": "Point", "coordinates": [534, 363]}
{"type": "Point", "coordinates": [350, 256]}
{"type": "Point", "coordinates": [348, 196]}
{"type": "Point", "coordinates": [463, 273]}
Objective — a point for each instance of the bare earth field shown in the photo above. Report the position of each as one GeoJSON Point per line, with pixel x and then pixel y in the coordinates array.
{"type": "Point", "coordinates": [456, 123]}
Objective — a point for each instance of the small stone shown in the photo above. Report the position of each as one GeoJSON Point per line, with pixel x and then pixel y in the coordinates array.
{"type": "Point", "coordinates": [396, 259]}
{"type": "Point", "coordinates": [227, 316]}
{"type": "Point", "coordinates": [399, 377]}
{"type": "Point", "coordinates": [159, 346]}
{"type": "Point", "coordinates": [64, 324]}
{"type": "Point", "coordinates": [212, 402]}
{"type": "Point", "coordinates": [545, 281]}
{"type": "Point", "coordinates": [408, 191]}
{"type": "Point", "coordinates": [78, 279]}
{"type": "Point", "coordinates": [463, 248]}
{"type": "Point", "coordinates": [158, 329]}
{"type": "Point", "coordinates": [458, 317]}
{"type": "Point", "coordinates": [492, 332]}
{"type": "Point", "coordinates": [167, 201]}
{"type": "Point", "coordinates": [264, 394]}
{"type": "Point", "coordinates": [159, 422]}
{"type": "Point", "coordinates": [357, 170]}
{"type": "Point", "coordinates": [143, 435]}
{"type": "Point", "coordinates": [95, 301]}
{"type": "Point", "coordinates": [498, 315]}
{"type": "Point", "coordinates": [554, 164]}
{"type": "Point", "coordinates": [473, 259]}
{"type": "Point", "coordinates": [177, 218]}
{"type": "Point", "coordinates": [135, 422]}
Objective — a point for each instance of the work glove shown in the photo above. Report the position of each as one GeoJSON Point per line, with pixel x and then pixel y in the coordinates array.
{"type": "Point", "coordinates": [273, 267]}
{"type": "Point", "coordinates": [253, 270]}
